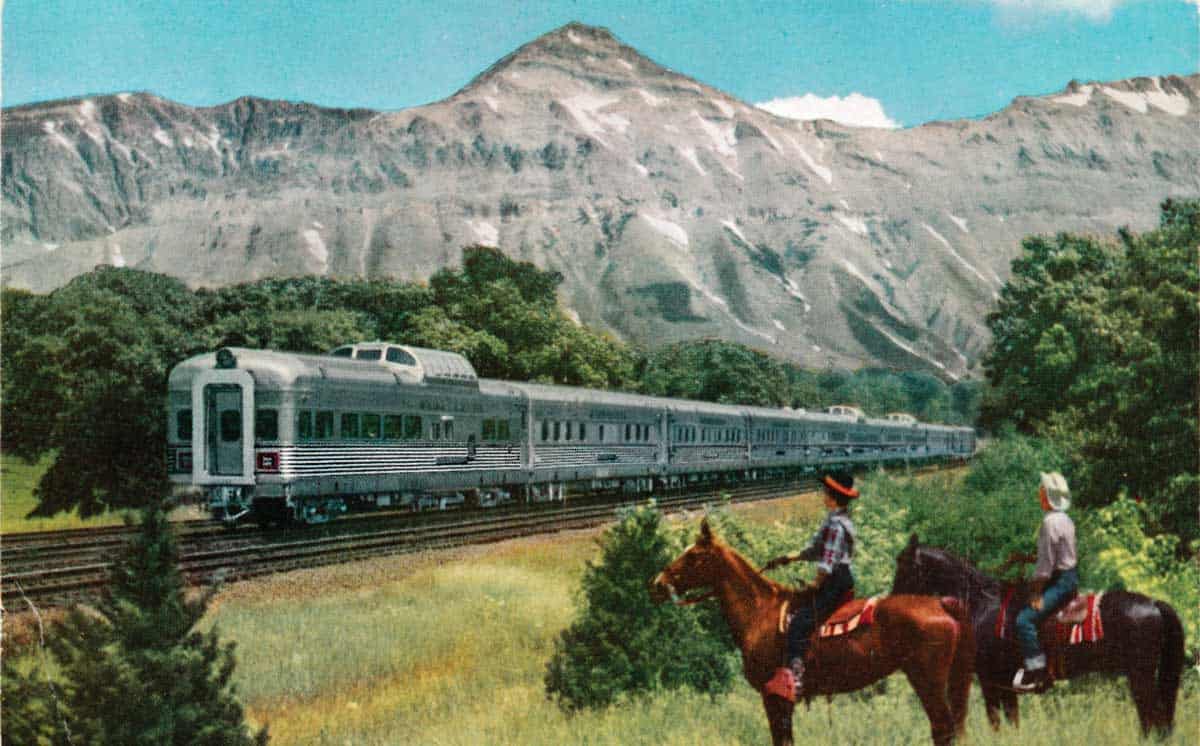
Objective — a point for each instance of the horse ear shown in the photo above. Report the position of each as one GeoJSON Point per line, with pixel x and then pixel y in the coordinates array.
{"type": "Point", "coordinates": [912, 542]}
{"type": "Point", "coordinates": [706, 534]}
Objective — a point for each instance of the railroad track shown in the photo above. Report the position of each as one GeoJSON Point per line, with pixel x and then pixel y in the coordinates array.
{"type": "Point", "coordinates": [76, 566]}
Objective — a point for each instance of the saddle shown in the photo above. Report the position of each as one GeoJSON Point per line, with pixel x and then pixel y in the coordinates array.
{"type": "Point", "coordinates": [850, 614]}
{"type": "Point", "coordinates": [1077, 621]}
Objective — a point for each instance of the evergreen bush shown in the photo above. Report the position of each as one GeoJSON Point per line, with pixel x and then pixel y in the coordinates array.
{"type": "Point", "coordinates": [621, 644]}
{"type": "Point", "coordinates": [134, 670]}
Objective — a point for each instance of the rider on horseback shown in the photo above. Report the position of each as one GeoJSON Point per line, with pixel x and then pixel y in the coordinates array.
{"type": "Point", "coordinates": [1054, 578]}
{"type": "Point", "coordinates": [832, 548]}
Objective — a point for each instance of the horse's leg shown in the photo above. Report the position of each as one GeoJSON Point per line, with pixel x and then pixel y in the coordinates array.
{"type": "Point", "coordinates": [929, 679]}
{"type": "Point", "coordinates": [962, 668]}
{"type": "Point", "coordinates": [992, 699]}
{"type": "Point", "coordinates": [779, 717]}
{"type": "Point", "coordinates": [1012, 707]}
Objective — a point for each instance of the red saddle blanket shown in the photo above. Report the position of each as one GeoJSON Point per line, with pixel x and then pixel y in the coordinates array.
{"type": "Point", "coordinates": [849, 617]}
{"type": "Point", "coordinates": [1077, 622]}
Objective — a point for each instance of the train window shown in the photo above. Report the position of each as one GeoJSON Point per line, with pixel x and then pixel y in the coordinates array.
{"type": "Point", "coordinates": [343, 352]}
{"type": "Point", "coordinates": [392, 426]}
{"type": "Point", "coordinates": [397, 355]}
{"type": "Point", "coordinates": [266, 424]}
{"type": "Point", "coordinates": [412, 427]}
{"type": "Point", "coordinates": [583, 431]}
{"type": "Point", "coordinates": [183, 424]}
{"type": "Point", "coordinates": [601, 433]}
{"type": "Point", "coordinates": [628, 432]}
{"type": "Point", "coordinates": [502, 430]}
{"type": "Point", "coordinates": [349, 425]}
{"type": "Point", "coordinates": [488, 431]}
{"type": "Point", "coordinates": [448, 429]}
{"type": "Point", "coordinates": [704, 435]}
{"type": "Point", "coordinates": [368, 354]}
{"type": "Point", "coordinates": [545, 430]}
{"type": "Point", "coordinates": [435, 430]}
{"type": "Point", "coordinates": [324, 425]}
{"type": "Point", "coordinates": [371, 426]}
{"type": "Point", "coordinates": [567, 427]}
{"type": "Point", "coordinates": [304, 425]}
{"type": "Point", "coordinates": [231, 425]}
{"type": "Point", "coordinates": [557, 430]}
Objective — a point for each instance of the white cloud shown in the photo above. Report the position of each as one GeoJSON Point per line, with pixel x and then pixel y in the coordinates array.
{"type": "Point", "coordinates": [1098, 11]}
{"type": "Point", "coordinates": [855, 110]}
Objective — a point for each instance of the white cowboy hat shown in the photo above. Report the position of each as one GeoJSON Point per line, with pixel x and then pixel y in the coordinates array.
{"type": "Point", "coordinates": [1058, 494]}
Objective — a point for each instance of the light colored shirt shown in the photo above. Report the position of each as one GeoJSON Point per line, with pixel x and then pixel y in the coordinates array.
{"type": "Point", "coordinates": [1055, 544]}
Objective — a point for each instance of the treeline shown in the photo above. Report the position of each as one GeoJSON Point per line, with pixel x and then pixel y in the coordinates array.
{"type": "Point", "coordinates": [1095, 348]}
{"type": "Point", "coordinates": [85, 366]}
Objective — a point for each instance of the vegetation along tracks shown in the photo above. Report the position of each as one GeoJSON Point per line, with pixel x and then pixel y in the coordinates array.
{"type": "Point", "coordinates": [36, 567]}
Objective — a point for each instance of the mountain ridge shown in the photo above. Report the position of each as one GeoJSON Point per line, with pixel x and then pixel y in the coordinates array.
{"type": "Point", "coordinates": [673, 209]}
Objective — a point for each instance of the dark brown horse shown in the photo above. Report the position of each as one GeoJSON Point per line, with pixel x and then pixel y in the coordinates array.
{"type": "Point", "coordinates": [1143, 638]}
{"type": "Point", "coordinates": [926, 638]}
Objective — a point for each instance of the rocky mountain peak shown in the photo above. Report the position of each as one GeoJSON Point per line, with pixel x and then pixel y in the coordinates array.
{"type": "Point", "coordinates": [672, 209]}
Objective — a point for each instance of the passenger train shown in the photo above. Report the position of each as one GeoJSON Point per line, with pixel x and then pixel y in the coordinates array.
{"type": "Point", "coordinates": [275, 436]}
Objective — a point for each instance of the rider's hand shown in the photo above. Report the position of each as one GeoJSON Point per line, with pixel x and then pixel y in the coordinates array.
{"type": "Point", "coordinates": [1036, 603]}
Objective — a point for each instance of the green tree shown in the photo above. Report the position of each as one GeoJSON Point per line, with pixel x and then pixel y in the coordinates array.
{"type": "Point", "coordinates": [85, 379]}
{"type": "Point", "coordinates": [1095, 346]}
{"type": "Point", "coordinates": [136, 670]}
{"type": "Point", "coordinates": [717, 371]}
{"type": "Point", "coordinates": [621, 644]}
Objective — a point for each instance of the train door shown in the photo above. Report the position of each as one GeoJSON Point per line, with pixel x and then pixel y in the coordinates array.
{"type": "Point", "coordinates": [225, 431]}
{"type": "Point", "coordinates": [223, 427]}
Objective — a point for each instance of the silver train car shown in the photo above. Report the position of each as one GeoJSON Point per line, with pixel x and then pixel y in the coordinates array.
{"type": "Point", "coordinates": [275, 436]}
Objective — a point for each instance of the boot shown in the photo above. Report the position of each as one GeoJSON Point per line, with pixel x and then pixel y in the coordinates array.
{"type": "Point", "coordinates": [1032, 677]}
{"type": "Point", "coordinates": [797, 667]}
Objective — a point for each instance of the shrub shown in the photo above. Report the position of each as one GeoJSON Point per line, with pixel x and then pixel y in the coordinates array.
{"type": "Point", "coordinates": [623, 645]}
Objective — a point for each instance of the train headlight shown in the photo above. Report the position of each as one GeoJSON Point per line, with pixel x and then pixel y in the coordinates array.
{"type": "Point", "coordinates": [226, 358]}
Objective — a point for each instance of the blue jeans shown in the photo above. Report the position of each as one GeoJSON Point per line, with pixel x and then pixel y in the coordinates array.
{"type": "Point", "coordinates": [1061, 585]}
{"type": "Point", "coordinates": [824, 602]}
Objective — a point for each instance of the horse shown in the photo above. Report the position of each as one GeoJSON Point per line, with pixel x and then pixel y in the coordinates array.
{"type": "Point", "coordinates": [1143, 638]}
{"type": "Point", "coordinates": [927, 638]}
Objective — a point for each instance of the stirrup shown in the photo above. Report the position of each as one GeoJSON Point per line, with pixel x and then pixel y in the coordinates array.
{"type": "Point", "coordinates": [1030, 680]}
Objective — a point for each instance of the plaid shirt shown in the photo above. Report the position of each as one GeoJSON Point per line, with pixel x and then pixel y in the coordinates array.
{"type": "Point", "coordinates": [833, 544]}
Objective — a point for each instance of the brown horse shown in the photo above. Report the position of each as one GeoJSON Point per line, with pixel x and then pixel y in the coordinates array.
{"type": "Point", "coordinates": [927, 638]}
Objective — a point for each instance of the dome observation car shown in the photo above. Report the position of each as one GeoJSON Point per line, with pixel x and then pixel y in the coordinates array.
{"type": "Point", "coordinates": [427, 366]}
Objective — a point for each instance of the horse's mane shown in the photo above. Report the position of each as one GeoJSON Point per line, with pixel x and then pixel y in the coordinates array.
{"type": "Point", "coordinates": [795, 595]}
{"type": "Point", "coordinates": [974, 582]}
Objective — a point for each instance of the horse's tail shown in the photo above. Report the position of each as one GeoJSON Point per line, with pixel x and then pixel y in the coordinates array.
{"type": "Point", "coordinates": [1170, 665]}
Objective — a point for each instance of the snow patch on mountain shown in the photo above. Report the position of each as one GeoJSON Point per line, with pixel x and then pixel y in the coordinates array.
{"type": "Point", "coordinates": [942, 240]}
{"type": "Point", "coordinates": [316, 247]}
{"type": "Point", "coordinates": [485, 232]}
{"type": "Point", "coordinates": [672, 231]}
{"type": "Point", "coordinates": [852, 223]}
{"type": "Point", "coordinates": [1080, 97]}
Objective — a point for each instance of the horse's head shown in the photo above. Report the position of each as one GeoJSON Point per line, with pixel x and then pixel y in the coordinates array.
{"type": "Point", "coordinates": [698, 567]}
{"type": "Point", "coordinates": [909, 572]}
{"type": "Point", "coordinates": [930, 570]}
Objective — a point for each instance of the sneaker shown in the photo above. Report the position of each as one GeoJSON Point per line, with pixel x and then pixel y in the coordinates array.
{"type": "Point", "coordinates": [1030, 679]}
{"type": "Point", "coordinates": [798, 676]}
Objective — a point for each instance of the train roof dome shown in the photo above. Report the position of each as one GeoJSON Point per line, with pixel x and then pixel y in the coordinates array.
{"type": "Point", "coordinates": [430, 366]}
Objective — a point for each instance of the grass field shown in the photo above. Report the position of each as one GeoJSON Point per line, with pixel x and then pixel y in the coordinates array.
{"type": "Point", "coordinates": [17, 480]}
{"type": "Point", "coordinates": [450, 648]}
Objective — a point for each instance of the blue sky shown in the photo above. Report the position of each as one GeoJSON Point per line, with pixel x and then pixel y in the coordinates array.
{"type": "Point", "coordinates": [919, 59]}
